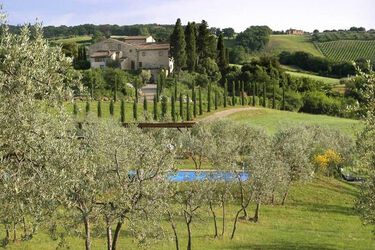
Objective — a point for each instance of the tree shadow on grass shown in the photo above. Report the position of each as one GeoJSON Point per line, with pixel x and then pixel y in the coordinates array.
{"type": "Point", "coordinates": [282, 246]}
{"type": "Point", "coordinates": [319, 207]}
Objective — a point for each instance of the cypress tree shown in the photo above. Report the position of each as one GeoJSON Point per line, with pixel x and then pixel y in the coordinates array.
{"type": "Point", "coordinates": [242, 94]}
{"type": "Point", "coordinates": [173, 109]}
{"type": "Point", "coordinates": [264, 94]}
{"type": "Point", "coordinates": [191, 46]}
{"type": "Point", "coordinates": [145, 104]}
{"type": "Point", "coordinates": [157, 91]}
{"type": "Point", "coordinates": [273, 96]}
{"type": "Point", "coordinates": [188, 114]}
{"type": "Point", "coordinates": [283, 97]}
{"type": "Point", "coordinates": [193, 94]}
{"type": "Point", "coordinates": [122, 111]}
{"type": "Point", "coordinates": [225, 93]}
{"type": "Point", "coordinates": [136, 90]}
{"type": "Point", "coordinates": [155, 108]}
{"type": "Point", "coordinates": [111, 108]}
{"type": "Point", "coordinates": [254, 89]}
{"type": "Point", "coordinates": [164, 106]}
{"type": "Point", "coordinates": [178, 45]}
{"type": "Point", "coordinates": [200, 102]}
{"type": "Point", "coordinates": [115, 89]}
{"type": "Point", "coordinates": [233, 93]}
{"type": "Point", "coordinates": [221, 58]}
{"type": "Point", "coordinates": [181, 107]}
{"type": "Point", "coordinates": [175, 89]}
{"type": "Point", "coordinates": [209, 98]}
{"type": "Point", "coordinates": [87, 107]}
{"type": "Point", "coordinates": [75, 109]}
{"type": "Point", "coordinates": [216, 104]}
{"type": "Point", "coordinates": [99, 108]}
{"type": "Point", "coordinates": [203, 40]}
{"type": "Point", "coordinates": [135, 110]}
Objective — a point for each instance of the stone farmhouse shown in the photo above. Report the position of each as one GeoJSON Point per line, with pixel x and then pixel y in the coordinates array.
{"type": "Point", "coordinates": [132, 53]}
{"type": "Point", "coordinates": [295, 32]}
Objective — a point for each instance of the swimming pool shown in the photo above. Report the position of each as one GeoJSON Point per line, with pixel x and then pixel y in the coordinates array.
{"type": "Point", "coordinates": [198, 175]}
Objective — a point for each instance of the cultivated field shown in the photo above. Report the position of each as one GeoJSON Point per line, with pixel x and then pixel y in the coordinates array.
{"type": "Point", "coordinates": [348, 50]}
{"type": "Point", "coordinates": [291, 43]}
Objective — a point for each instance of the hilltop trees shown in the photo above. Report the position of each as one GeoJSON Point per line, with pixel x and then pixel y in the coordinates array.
{"type": "Point", "coordinates": [254, 38]}
{"type": "Point", "coordinates": [178, 46]}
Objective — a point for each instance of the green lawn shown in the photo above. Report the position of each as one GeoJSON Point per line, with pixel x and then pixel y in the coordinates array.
{"type": "Point", "coordinates": [272, 120]}
{"type": "Point", "coordinates": [291, 43]}
{"type": "Point", "coordinates": [318, 215]}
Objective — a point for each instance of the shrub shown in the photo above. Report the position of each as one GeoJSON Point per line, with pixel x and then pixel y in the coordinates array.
{"type": "Point", "coordinates": [317, 102]}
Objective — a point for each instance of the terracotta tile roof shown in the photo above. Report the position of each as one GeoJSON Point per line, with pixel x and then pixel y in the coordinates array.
{"type": "Point", "coordinates": [102, 53]}
{"type": "Point", "coordinates": [153, 46]}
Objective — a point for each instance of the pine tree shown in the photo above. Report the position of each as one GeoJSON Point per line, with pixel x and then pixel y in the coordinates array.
{"type": "Point", "coordinates": [221, 58]}
{"type": "Point", "coordinates": [164, 106]}
{"type": "Point", "coordinates": [200, 102]}
{"type": "Point", "coordinates": [75, 109]}
{"type": "Point", "coordinates": [225, 93]}
{"type": "Point", "coordinates": [242, 94]}
{"type": "Point", "coordinates": [193, 94]}
{"type": "Point", "coordinates": [233, 93]}
{"type": "Point", "coordinates": [99, 108]}
{"type": "Point", "coordinates": [209, 98]}
{"type": "Point", "coordinates": [264, 94]}
{"type": "Point", "coordinates": [173, 109]}
{"type": "Point", "coordinates": [216, 104]}
{"type": "Point", "coordinates": [87, 107]}
{"type": "Point", "coordinates": [122, 111]}
{"type": "Point", "coordinates": [135, 110]}
{"type": "Point", "coordinates": [191, 46]}
{"type": "Point", "coordinates": [155, 109]}
{"type": "Point", "coordinates": [181, 107]}
{"type": "Point", "coordinates": [111, 108]}
{"type": "Point", "coordinates": [188, 113]}
{"type": "Point", "coordinates": [178, 46]}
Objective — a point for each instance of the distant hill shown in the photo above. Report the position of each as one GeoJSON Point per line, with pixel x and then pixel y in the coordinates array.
{"type": "Point", "coordinates": [291, 43]}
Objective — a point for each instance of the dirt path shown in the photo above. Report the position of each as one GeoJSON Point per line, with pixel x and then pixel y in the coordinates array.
{"type": "Point", "coordinates": [225, 113]}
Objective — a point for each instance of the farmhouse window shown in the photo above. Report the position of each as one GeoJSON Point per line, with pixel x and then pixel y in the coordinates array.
{"type": "Point", "coordinates": [143, 53]}
{"type": "Point", "coordinates": [140, 64]}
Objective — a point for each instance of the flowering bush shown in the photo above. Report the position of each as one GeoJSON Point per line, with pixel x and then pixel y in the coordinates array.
{"type": "Point", "coordinates": [328, 162]}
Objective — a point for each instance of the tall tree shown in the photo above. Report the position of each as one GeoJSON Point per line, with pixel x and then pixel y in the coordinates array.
{"type": "Point", "coordinates": [225, 93]}
{"type": "Point", "coordinates": [264, 94]}
{"type": "Point", "coordinates": [122, 111]}
{"type": "Point", "coordinates": [216, 100]}
{"type": "Point", "coordinates": [87, 107]}
{"type": "Point", "coordinates": [178, 46]}
{"type": "Point", "coordinates": [181, 107]}
{"type": "Point", "coordinates": [75, 109]}
{"type": "Point", "coordinates": [188, 112]}
{"type": "Point", "coordinates": [111, 108]}
{"type": "Point", "coordinates": [155, 108]}
{"type": "Point", "coordinates": [242, 93]}
{"type": "Point", "coordinates": [221, 56]}
{"type": "Point", "coordinates": [254, 92]}
{"type": "Point", "coordinates": [233, 93]}
{"type": "Point", "coordinates": [115, 88]}
{"type": "Point", "coordinates": [99, 108]}
{"type": "Point", "coordinates": [209, 98]}
{"type": "Point", "coordinates": [135, 110]}
{"type": "Point", "coordinates": [145, 104]}
{"type": "Point", "coordinates": [203, 40]}
{"type": "Point", "coordinates": [173, 109]}
{"type": "Point", "coordinates": [194, 96]}
{"type": "Point", "coordinates": [200, 101]}
{"type": "Point", "coordinates": [191, 46]}
{"type": "Point", "coordinates": [164, 106]}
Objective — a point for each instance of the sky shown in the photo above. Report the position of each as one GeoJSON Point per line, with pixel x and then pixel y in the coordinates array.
{"type": "Point", "coordinates": [238, 14]}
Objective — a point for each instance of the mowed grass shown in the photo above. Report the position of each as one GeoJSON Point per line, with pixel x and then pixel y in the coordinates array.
{"type": "Point", "coordinates": [291, 43]}
{"type": "Point", "coordinates": [318, 215]}
{"type": "Point", "coordinates": [272, 120]}
{"type": "Point", "coordinates": [328, 80]}
{"type": "Point", "coordinates": [75, 39]}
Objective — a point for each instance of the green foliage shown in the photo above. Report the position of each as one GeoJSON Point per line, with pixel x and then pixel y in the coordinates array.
{"type": "Point", "coordinates": [348, 50]}
{"type": "Point", "coordinates": [194, 96]}
{"type": "Point", "coordinates": [135, 110]}
{"type": "Point", "coordinates": [178, 45]}
{"type": "Point", "coordinates": [99, 110]}
{"type": "Point", "coordinates": [122, 111]}
{"type": "Point", "coordinates": [164, 106]}
{"type": "Point", "coordinates": [75, 109]}
{"type": "Point", "coordinates": [209, 98]}
{"type": "Point", "coordinates": [173, 109]}
{"type": "Point", "coordinates": [188, 111]}
{"type": "Point", "coordinates": [155, 109]}
{"type": "Point", "coordinates": [87, 108]}
{"type": "Point", "coordinates": [191, 47]}
{"type": "Point", "coordinates": [254, 38]}
{"type": "Point", "coordinates": [181, 102]}
{"type": "Point", "coordinates": [318, 103]}
{"type": "Point", "coordinates": [200, 101]}
{"type": "Point", "coordinates": [225, 93]}
{"type": "Point", "coordinates": [111, 108]}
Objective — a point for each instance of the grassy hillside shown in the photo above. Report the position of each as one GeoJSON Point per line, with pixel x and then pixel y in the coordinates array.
{"type": "Point", "coordinates": [292, 43]}
{"type": "Point", "coordinates": [348, 50]}
{"type": "Point", "coordinates": [272, 120]}
{"type": "Point", "coordinates": [318, 215]}
{"type": "Point", "coordinates": [75, 39]}
{"type": "Point", "coordinates": [329, 80]}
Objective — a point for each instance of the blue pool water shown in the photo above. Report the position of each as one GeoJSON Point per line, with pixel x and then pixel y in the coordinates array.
{"type": "Point", "coordinates": [196, 175]}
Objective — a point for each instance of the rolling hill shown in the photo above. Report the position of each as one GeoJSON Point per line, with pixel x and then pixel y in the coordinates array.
{"type": "Point", "coordinates": [291, 43]}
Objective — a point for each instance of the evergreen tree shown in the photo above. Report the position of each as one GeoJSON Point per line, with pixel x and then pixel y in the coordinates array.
{"type": "Point", "coordinates": [188, 113]}
{"type": "Point", "coordinates": [264, 94]}
{"type": "Point", "coordinates": [155, 109]}
{"type": "Point", "coordinates": [157, 91]}
{"type": "Point", "coordinates": [283, 105]}
{"type": "Point", "coordinates": [193, 94]}
{"type": "Point", "coordinates": [200, 102]}
{"type": "Point", "coordinates": [274, 95]}
{"type": "Point", "coordinates": [164, 106]}
{"type": "Point", "coordinates": [216, 104]}
{"type": "Point", "coordinates": [122, 111]}
{"type": "Point", "coordinates": [178, 46]}
{"type": "Point", "coordinates": [145, 104]}
{"type": "Point", "coordinates": [175, 89]}
{"type": "Point", "coordinates": [227, 55]}
{"type": "Point", "coordinates": [181, 107]}
{"type": "Point", "coordinates": [111, 108]}
{"type": "Point", "coordinates": [99, 108]}
{"type": "Point", "coordinates": [115, 89]}
{"type": "Point", "coordinates": [221, 57]}
{"type": "Point", "coordinates": [87, 107]}
{"type": "Point", "coordinates": [173, 109]}
{"type": "Point", "coordinates": [203, 40]}
{"type": "Point", "coordinates": [75, 109]}
{"type": "Point", "coordinates": [225, 93]}
{"type": "Point", "coordinates": [136, 90]}
{"type": "Point", "coordinates": [135, 110]}
{"type": "Point", "coordinates": [242, 94]}
{"type": "Point", "coordinates": [209, 98]}
{"type": "Point", "coordinates": [191, 46]}
{"type": "Point", "coordinates": [233, 93]}
{"type": "Point", "coordinates": [254, 91]}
